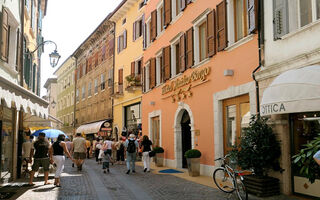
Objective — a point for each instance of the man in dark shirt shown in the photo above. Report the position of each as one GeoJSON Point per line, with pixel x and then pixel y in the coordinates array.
{"type": "Point", "coordinates": [41, 157]}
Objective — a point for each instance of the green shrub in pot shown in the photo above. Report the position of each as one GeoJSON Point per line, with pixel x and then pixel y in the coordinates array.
{"type": "Point", "coordinates": [193, 153]}
{"type": "Point", "coordinates": [158, 150]}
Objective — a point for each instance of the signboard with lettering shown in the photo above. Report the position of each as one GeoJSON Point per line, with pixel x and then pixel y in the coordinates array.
{"type": "Point", "coordinates": [178, 88]}
{"type": "Point", "coordinates": [273, 108]}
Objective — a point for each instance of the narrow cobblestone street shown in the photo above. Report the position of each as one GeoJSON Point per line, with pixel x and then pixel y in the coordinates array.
{"type": "Point", "coordinates": [93, 184]}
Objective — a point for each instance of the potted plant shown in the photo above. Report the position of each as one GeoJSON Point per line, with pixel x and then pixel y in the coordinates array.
{"type": "Point", "coordinates": [304, 160]}
{"type": "Point", "coordinates": [259, 150]}
{"type": "Point", "coordinates": [159, 156]}
{"type": "Point", "coordinates": [193, 160]}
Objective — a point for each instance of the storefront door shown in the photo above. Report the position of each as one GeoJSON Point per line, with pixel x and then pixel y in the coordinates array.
{"type": "Point", "coordinates": [186, 136]}
{"type": "Point", "coordinates": [236, 115]}
{"type": "Point", "coordinates": [7, 133]}
{"type": "Point", "coordinates": [304, 128]}
{"type": "Point", "coordinates": [156, 131]}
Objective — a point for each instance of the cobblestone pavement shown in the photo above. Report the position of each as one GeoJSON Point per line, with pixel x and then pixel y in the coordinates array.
{"type": "Point", "coordinates": [93, 184]}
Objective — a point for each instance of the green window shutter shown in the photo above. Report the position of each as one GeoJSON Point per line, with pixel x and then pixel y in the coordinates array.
{"type": "Point", "coordinates": [34, 77]}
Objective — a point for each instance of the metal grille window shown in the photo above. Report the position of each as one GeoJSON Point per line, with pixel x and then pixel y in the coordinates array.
{"type": "Point", "coordinates": [89, 89]}
{"type": "Point", "coordinates": [96, 86]}
{"type": "Point", "coordinates": [103, 82]}
{"type": "Point", "coordinates": [77, 95]}
{"type": "Point", "coordinates": [83, 92]}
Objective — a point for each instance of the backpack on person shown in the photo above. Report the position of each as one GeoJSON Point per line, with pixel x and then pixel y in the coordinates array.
{"type": "Point", "coordinates": [131, 146]}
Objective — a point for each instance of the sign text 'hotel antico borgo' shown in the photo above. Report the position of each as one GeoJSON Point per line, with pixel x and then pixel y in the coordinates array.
{"type": "Point", "coordinates": [176, 86]}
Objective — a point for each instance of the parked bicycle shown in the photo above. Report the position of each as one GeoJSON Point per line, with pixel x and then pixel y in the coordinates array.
{"type": "Point", "coordinates": [229, 180]}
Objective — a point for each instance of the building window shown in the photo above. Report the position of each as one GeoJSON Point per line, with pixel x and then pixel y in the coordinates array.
{"type": "Point", "coordinates": [175, 57]}
{"type": "Point", "coordinates": [291, 15]}
{"type": "Point", "coordinates": [103, 81]}
{"type": "Point", "coordinates": [236, 115]}
{"type": "Point", "coordinates": [96, 86]}
{"type": "Point", "coordinates": [89, 89]}
{"type": "Point", "coordinates": [203, 41]}
{"type": "Point", "coordinates": [148, 35]}
{"type": "Point", "coordinates": [133, 118]}
{"type": "Point", "coordinates": [124, 21]}
{"type": "Point", "coordinates": [159, 70]}
{"type": "Point", "coordinates": [155, 122]}
{"type": "Point", "coordinates": [83, 92]}
{"type": "Point", "coordinates": [122, 41]}
{"type": "Point", "coordinates": [240, 25]}
{"type": "Point", "coordinates": [141, 4]}
{"type": "Point", "coordinates": [137, 29]}
{"type": "Point", "coordinates": [160, 18]}
{"type": "Point", "coordinates": [83, 70]}
{"type": "Point", "coordinates": [147, 75]}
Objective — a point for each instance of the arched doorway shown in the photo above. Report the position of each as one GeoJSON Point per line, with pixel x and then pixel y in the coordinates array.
{"type": "Point", "coordinates": [185, 136]}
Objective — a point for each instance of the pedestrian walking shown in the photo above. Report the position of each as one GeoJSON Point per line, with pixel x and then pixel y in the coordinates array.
{"type": "Point", "coordinates": [88, 145]}
{"type": "Point", "coordinates": [69, 145]}
{"type": "Point", "coordinates": [98, 147]}
{"type": "Point", "coordinates": [40, 152]}
{"type": "Point", "coordinates": [132, 146]}
{"type": "Point", "coordinates": [107, 146]}
{"type": "Point", "coordinates": [26, 150]}
{"type": "Point", "coordinates": [79, 150]}
{"type": "Point", "coordinates": [59, 148]}
{"type": "Point", "coordinates": [120, 151]}
{"type": "Point", "coordinates": [146, 146]}
{"type": "Point", "coordinates": [106, 160]}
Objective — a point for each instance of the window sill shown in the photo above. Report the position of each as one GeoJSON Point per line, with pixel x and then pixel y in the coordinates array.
{"type": "Point", "coordinates": [205, 61]}
{"type": "Point", "coordinates": [160, 34]}
{"type": "Point", "coordinates": [95, 94]}
{"type": "Point", "coordinates": [239, 43]}
{"type": "Point", "coordinates": [301, 29]}
{"type": "Point", "coordinates": [176, 18]}
{"type": "Point", "coordinates": [103, 90]}
{"type": "Point", "coordinates": [10, 68]}
{"type": "Point", "coordinates": [89, 97]}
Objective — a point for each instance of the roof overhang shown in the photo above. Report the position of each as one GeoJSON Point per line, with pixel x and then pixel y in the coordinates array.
{"type": "Point", "coordinates": [22, 99]}
{"type": "Point", "coordinates": [122, 9]}
{"type": "Point", "coordinates": [293, 91]}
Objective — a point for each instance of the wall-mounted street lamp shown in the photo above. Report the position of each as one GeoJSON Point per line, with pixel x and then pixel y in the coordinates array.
{"type": "Point", "coordinates": [54, 56]}
{"type": "Point", "coordinates": [53, 104]}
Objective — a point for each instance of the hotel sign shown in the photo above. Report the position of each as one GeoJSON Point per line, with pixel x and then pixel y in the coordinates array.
{"type": "Point", "coordinates": [273, 108]}
{"type": "Point", "coordinates": [177, 85]}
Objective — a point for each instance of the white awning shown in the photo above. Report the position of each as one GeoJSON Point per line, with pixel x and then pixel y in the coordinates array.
{"type": "Point", "coordinates": [293, 91]}
{"type": "Point", "coordinates": [14, 94]}
{"type": "Point", "coordinates": [90, 128]}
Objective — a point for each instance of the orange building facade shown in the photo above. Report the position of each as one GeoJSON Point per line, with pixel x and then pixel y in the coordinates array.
{"type": "Point", "coordinates": [198, 90]}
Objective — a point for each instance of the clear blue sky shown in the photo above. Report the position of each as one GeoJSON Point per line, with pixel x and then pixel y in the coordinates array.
{"type": "Point", "coordinates": [69, 23]}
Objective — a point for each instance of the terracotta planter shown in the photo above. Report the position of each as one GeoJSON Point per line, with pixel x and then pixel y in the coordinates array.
{"type": "Point", "coordinates": [159, 159]}
{"type": "Point", "coordinates": [193, 166]}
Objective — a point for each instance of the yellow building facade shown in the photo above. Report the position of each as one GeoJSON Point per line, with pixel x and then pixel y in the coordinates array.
{"type": "Point", "coordinates": [129, 21]}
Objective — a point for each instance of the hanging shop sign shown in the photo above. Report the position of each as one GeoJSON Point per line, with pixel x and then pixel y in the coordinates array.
{"type": "Point", "coordinates": [178, 86]}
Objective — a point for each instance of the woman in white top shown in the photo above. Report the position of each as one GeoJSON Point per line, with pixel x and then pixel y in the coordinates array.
{"type": "Point", "coordinates": [107, 146]}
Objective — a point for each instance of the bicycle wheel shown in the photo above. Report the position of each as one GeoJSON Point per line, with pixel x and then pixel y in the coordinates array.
{"type": "Point", "coordinates": [223, 181]}
{"type": "Point", "coordinates": [241, 189]}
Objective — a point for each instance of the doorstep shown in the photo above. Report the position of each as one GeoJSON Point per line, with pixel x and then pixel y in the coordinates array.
{"type": "Point", "coordinates": [203, 180]}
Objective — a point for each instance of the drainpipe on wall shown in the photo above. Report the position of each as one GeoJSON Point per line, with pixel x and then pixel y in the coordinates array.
{"type": "Point", "coordinates": [75, 96]}
{"type": "Point", "coordinates": [260, 41]}
{"type": "Point", "coordinates": [114, 61]}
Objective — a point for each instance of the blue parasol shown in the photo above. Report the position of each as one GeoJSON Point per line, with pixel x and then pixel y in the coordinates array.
{"type": "Point", "coordinates": [50, 133]}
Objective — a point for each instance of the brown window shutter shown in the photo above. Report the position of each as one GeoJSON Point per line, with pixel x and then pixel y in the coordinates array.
{"type": "Point", "coordinates": [153, 25]}
{"type": "Point", "coordinates": [182, 51]}
{"type": "Point", "coordinates": [144, 79]}
{"type": "Point", "coordinates": [120, 76]}
{"type": "Point", "coordinates": [4, 35]}
{"type": "Point", "coordinates": [96, 63]}
{"type": "Point", "coordinates": [211, 32]}
{"type": "Point", "coordinates": [111, 47]}
{"type": "Point", "coordinates": [167, 12]}
{"type": "Point", "coordinates": [222, 25]}
{"type": "Point", "coordinates": [152, 73]}
{"type": "Point", "coordinates": [252, 15]}
{"type": "Point", "coordinates": [189, 48]}
{"type": "Point", "coordinates": [133, 68]}
{"type": "Point", "coordinates": [166, 62]}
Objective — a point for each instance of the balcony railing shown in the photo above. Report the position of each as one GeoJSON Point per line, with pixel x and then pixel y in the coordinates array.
{"type": "Point", "coordinates": [133, 82]}
{"type": "Point", "coordinates": [117, 90]}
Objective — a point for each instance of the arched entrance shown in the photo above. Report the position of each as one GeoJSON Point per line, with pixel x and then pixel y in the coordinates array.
{"type": "Point", "coordinates": [185, 136]}
{"type": "Point", "coordinates": [183, 133]}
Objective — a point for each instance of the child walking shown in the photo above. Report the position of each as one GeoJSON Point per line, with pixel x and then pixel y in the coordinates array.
{"type": "Point", "coordinates": [107, 159]}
